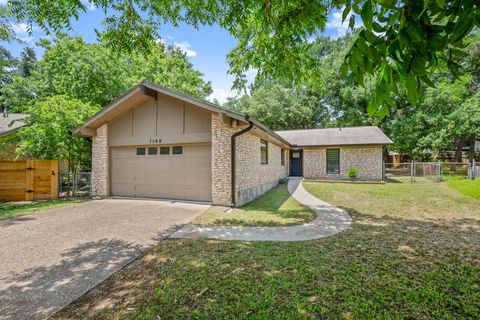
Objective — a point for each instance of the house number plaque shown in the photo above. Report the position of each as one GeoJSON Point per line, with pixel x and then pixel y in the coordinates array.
{"type": "Point", "coordinates": [156, 140]}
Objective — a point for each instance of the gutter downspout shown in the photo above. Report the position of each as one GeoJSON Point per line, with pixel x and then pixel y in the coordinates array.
{"type": "Point", "coordinates": [233, 148]}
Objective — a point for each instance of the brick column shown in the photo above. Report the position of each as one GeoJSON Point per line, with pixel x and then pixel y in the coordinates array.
{"type": "Point", "coordinates": [221, 161]}
{"type": "Point", "coordinates": [100, 163]}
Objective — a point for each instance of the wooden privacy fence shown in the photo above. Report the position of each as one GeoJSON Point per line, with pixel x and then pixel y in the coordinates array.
{"type": "Point", "coordinates": [28, 180]}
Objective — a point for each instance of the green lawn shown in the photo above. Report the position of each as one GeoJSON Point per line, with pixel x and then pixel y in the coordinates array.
{"type": "Point", "coordinates": [12, 209]}
{"type": "Point", "coordinates": [469, 188]}
{"type": "Point", "coordinates": [412, 252]}
{"type": "Point", "coordinates": [275, 208]}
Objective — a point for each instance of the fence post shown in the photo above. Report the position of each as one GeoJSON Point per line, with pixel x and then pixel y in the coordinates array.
{"type": "Point", "coordinates": [439, 172]}
{"type": "Point", "coordinates": [471, 170]}
{"type": "Point", "coordinates": [90, 184]}
{"type": "Point", "coordinates": [412, 171]}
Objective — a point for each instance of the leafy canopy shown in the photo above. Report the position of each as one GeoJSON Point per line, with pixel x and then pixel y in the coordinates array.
{"type": "Point", "coordinates": [94, 74]}
{"type": "Point", "coordinates": [281, 107]}
{"type": "Point", "coordinates": [47, 132]}
{"type": "Point", "coordinates": [400, 45]}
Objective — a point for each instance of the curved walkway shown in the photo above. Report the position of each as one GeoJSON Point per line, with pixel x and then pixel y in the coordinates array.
{"type": "Point", "coordinates": [330, 220]}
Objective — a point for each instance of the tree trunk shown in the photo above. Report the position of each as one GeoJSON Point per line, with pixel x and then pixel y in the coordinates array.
{"type": "Point", "coordinates": [471, 151]}
{"type": "Point", "coordinates": [458, 154]}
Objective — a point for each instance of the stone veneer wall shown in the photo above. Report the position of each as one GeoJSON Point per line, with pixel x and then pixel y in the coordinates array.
{"type": "Point", "coordinates": [253, 178]}
{"type": "Point", "coordinates": [367, 159]}
{"type": "Point", "coordinates": [100, 163]}
{"type": "Point", "coordinates": [221, 161]}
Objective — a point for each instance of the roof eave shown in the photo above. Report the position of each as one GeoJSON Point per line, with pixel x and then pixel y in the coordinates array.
{"type": "Point", "coordinates": [340, 145]}
{"type": "Point", "coordinates": [10, 132]}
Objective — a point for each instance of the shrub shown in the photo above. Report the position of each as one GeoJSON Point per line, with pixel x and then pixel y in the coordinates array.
{"type": "Point", "coordinates": [352, 173]}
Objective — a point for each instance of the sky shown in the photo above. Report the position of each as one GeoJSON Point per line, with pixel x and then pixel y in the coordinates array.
{"type": "Point", "coordinates": [206, 47]}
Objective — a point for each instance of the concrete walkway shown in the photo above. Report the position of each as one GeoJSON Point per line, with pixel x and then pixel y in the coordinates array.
{"type": "Point", "coordinates": [330, 220]}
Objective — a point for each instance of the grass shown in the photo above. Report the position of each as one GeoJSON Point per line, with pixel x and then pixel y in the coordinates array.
{"type": "Point", "coordinates": [412, 252]}
{"type": "Point", "coordinates": [469, 188]}
{"type": "Point", "coordinates": [399, 198]}
{"type": "Point", "coordinates": [275, 208]}
{"type": "Point", "coordinates": [12, 209]}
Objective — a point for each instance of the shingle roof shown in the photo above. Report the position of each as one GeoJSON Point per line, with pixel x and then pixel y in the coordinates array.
{"type": "Point", "coordinates": [10, 122]}
{"type": "Point", "coordinates": [336, 136]}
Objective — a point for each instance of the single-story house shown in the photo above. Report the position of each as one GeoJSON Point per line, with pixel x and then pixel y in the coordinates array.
{"type": "Point", "coordinates": [154, 142]}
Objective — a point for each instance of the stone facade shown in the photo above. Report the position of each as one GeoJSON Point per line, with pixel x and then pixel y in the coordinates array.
{"type": "Point", "coordinates": [100, 163]}
{"type": "Point", "coordinates": [253, 178]}
{"type": "Point", "coordinates": [221, 161]}
{"type": "Point", "coordinates": [367, 159]}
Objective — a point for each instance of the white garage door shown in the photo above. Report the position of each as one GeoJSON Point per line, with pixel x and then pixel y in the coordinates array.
{"type": "Point", "coordinates": [174, 172]}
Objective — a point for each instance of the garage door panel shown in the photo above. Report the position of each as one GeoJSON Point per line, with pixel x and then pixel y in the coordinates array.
{"type": "Point", "coordinates": [181, 176]}
{"type": "Point", "coordinates": [123, 189]}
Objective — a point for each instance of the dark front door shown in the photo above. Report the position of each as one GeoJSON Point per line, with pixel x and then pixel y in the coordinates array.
{"type": "Point", "coordinates": [296, 162]}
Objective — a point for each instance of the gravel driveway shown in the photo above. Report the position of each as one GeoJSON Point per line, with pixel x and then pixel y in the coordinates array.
{"type": "Point", "coordinates": [49, 259]}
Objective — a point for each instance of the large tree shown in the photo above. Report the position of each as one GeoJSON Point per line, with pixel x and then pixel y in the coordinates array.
{"type": "Point", "coordinates": [47, 134]}
{"type": "Point", "coordinates": [7, 64]}
{"type": "Point", "coordinates": [281, 107]}
{"type": "Point", "coordinates": [27, 62]}
{"type": "Point", "coordinates": [94, 74]}
{"type": "Point", "coordinates": [400, 45]}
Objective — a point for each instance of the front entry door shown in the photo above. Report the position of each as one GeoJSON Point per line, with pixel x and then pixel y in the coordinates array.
{"type": "Point", "coordinates": [296, 162]}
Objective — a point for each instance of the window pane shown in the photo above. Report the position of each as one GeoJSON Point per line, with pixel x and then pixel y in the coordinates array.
{"type": "Point", "coordinates": [177, 150]}
{"type": "Point", "coordinates": [333, 161]}
{"type": "Point", "coordinates": [152, 150]}
{"type": "Point", "coordinates": [164, 150]}
{"type": "Point", "coordinates": [282, 157]}
{"type": "Point", "coordinates": [140, 151]}
{"type": "Point", "coordinates": [263, 151]}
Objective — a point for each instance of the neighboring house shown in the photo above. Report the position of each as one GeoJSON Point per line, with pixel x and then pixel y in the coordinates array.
{"type": "Point", "coordinates": [153, 142]}
{"type": "Point", "coordinates": [10, 123]}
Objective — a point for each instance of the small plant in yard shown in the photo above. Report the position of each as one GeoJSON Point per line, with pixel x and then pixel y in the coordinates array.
{"type": "Point", "coordinates": [352, 173]}
{"type": "Point", "coordinates": [283, 181]}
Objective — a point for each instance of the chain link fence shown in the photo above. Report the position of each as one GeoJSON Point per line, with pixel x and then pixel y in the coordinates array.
{"type": "Point", "coordinates": [430, 172]}
{"type": "Point", "coordinates": [79, 185]}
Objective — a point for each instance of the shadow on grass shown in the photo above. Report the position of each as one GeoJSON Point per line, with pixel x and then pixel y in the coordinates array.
{"type": "Point", "coordinates": [392, 180]}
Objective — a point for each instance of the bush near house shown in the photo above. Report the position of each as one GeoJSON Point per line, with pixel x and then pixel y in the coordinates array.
{"type": "Point", "coordinates": [352, 173]}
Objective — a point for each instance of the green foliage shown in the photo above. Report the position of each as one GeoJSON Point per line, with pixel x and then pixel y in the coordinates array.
{"type": "Point", "coordinates": [27, 62]}
{"type": "Point", "coordinates": [94, 74]}
{"type": "Point", "coordinates": [352, 173]}
{"type": "Point", "coordinates": [280, 107]}
{"type": "Point", "coordinates": [47, 134]}
{"type": "Point", "coordinates": [446, 114]}
{"type": "Point", "coordinates": [402, 42]}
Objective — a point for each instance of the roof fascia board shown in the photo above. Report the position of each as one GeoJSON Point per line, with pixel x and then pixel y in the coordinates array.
{"type": "Point", "coordinates": [112, 105]}
{"type": "Point", "coordinates": [10, 132]}
{"type": "Point", "coordinates": [342, 145]}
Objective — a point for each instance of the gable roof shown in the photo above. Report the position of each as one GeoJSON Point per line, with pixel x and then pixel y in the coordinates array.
{"type": "Point", "coordinates": [11, 123]}
{"type": "Point", "coordinates": [150, 89]}
{"type": "Point", "coordinates": [311, 137]}
{"type": "Point", "coordinates": [371, 135]}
